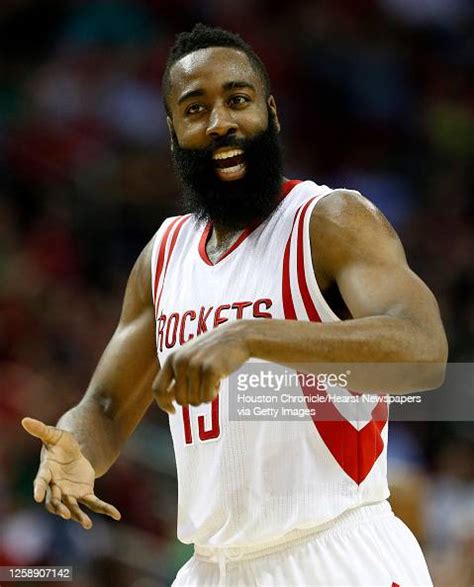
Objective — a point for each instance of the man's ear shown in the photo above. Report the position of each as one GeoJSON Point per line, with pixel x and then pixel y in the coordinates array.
{"type": "Point", "coordinates": [272, 107]}
{"type": "Point", "coordinates": [169, 122]}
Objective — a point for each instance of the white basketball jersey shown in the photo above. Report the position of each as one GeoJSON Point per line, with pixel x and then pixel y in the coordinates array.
{"type": "Point", "coordinates": [241, 482]}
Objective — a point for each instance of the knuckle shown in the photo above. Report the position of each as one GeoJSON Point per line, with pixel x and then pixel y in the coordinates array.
{"type": "Point", "coordinates": [181, 363]}
{"type": "Point", "coordinates": [208, 369]}
{"type": "Point", "coordinates": [181, 399]}
{"type": "Point", "coordinates": [177, 358]}
{"type": "Point", "coordinates": [194, 364]}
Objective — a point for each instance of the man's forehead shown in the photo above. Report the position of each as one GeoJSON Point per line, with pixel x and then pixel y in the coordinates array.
{"type": "Point", "coordinates": [225, 62]}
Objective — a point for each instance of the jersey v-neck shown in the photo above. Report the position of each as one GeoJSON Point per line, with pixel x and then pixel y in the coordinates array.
{"type": "Point", "coordinates": [286, 188]}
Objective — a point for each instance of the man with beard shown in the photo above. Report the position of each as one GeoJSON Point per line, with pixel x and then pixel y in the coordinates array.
{"type": "Point", "coordinates": [264, 268]}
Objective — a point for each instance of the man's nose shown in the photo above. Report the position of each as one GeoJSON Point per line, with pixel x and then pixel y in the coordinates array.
{"type": "Point", "coordinates": [221, 123]}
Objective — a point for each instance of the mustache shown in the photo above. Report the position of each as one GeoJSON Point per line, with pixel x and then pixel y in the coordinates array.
{"type": "Point", "coordinates": [227, 141]}
{"type": "Point", "coordinates": [217, 143]}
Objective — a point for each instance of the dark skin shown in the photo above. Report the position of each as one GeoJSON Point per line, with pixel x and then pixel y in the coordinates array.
{"type": "Point", "coordinates": [355, 251]}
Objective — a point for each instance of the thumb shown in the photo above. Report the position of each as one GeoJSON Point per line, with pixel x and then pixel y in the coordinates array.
{"type": "Point", "coordinates": [48, 434]}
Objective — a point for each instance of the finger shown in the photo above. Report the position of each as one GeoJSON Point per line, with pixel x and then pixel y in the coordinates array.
{"type": "Point", "coordinates": [52, 509]}
{"type": "Point", "coordinates": [163, 388]}
{"type": "Point", "coordinates": [41, 482]}
{"type": "Point", "coordinates": [48, 434]}
{"type": "Point", "coordinates": [57, 504]}
{"type": "Point", "coordinates": [101, 507]}
{"type": "Point", "coordinates": [210, 383]}
{"type": "Point", "coordinates": [180, 388]}
{"type": "Point", "coordinates": [77, 514]}
{"type": "Point", "coordinates": [194, 382]}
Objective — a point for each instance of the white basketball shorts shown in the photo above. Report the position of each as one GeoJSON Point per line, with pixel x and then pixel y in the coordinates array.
{"type": "Point", "coordinates": [364, 547]}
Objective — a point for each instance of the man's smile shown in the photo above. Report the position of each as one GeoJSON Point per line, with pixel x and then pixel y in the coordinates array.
{"type": "Point", "coordinates": [229, 163]}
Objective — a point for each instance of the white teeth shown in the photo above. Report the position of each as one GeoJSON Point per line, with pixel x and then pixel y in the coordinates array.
{"type": "Point", "coordinates": [233, 169]}
{"type": "Point", "coordinates": [228, 154]}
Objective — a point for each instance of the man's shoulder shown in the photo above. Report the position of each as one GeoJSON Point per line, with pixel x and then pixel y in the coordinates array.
{"type": "Point", "coordinates": [345, 212]}
{"type": "Point", "coordinates": [344, 205]}
{"type": "Point", "coordinates": [346, 226]}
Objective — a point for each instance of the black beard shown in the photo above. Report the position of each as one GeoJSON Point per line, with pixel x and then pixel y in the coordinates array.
{"type": "Point", "coordinates": [232, 204]}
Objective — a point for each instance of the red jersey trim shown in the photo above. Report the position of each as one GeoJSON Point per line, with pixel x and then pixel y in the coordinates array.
{"type": "Point", "coordinates": [179, 224]}
{"type": "Point", "coordinates": [354, 450]}
{"type": "Point", "coordinates": [288, 305]}
{"type": "Point", "coordinates": [313, 314]}
{"type": "Point", "coordinates": [161, 256]}
{"type": "Point", "coordinates": [285, 190]}
{"type": "Point", "coordinates": [204, 238]}
{"type": "Point", "coordinates": [288, 185]}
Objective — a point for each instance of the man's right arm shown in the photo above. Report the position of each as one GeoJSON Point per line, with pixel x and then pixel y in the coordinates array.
{"type": "Point", "coordinates": [120, 390]}
{"type": "Point", "coordinates": [88, 438]}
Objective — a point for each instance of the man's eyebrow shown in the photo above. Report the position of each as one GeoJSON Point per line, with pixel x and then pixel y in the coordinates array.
{"type": "Point", "coordinates": [238, 84]}
{"type": "Point", "coordinates": [190, 94]}
{"type": "Point", "coordinates": [233, 85]}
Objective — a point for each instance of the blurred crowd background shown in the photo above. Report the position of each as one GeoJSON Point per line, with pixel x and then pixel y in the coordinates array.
{"type": "Point", "coordinates": [375, 95]}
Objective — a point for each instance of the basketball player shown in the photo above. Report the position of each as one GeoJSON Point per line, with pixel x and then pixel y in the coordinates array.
{"type": "Point", "coordinates": [260, 268]}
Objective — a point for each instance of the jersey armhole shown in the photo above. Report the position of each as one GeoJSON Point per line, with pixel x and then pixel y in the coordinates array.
{"type": "Point", "coordinates": [158, 247]}
{"type": "Point", "coordinates": [324, 310]}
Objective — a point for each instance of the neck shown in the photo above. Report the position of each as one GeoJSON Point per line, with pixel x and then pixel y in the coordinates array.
{"type": "Point", "coordinates": [221, 235]}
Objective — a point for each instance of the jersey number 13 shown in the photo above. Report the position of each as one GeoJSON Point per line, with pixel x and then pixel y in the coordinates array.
{"type": "Point", "coordinates": [204, 433]}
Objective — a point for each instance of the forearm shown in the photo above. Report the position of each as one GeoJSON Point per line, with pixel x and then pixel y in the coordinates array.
{"type": "Point", "coordinates": [96, 433]}
{"type": "Point", "coordinates": [416, 356]}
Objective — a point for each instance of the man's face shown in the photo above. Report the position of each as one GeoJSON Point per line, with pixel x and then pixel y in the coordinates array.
{"type": "Point", "coordinates": [224, 132]}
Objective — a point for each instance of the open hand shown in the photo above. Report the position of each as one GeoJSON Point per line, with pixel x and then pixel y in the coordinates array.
{"type": "Point", "coordinates": [65, 477]}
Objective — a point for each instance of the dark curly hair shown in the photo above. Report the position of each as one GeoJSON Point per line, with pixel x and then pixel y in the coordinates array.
{"type": "Point", "coordinates": [201, 37]}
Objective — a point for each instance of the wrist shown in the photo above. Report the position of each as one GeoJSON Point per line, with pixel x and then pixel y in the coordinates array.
{"type": "Point", "coordinates": [248, 332]}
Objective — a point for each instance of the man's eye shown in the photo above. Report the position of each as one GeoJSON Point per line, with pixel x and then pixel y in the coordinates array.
{"type": "Point", "coordinates": [238, 100]}
{"type": "Point", "coordinates": [194, 109]}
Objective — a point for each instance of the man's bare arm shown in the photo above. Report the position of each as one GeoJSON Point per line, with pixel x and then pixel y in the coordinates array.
{"type": "Point", "coordinates": [89, 437]}
{"type": "Point", "coordinates": [120, 390]}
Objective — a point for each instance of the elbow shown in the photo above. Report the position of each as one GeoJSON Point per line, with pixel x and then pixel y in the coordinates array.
{"type": "Point", "coordinates": [432, 363]}
{"type": "Point", "coordinates": [431, 376]}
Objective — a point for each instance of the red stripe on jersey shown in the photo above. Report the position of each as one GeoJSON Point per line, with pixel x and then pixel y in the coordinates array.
{"type": "Point", "coordinates": [161, 256]}
{"type": "Point", "coordinates": [288, 186]}
{"type": "Point", "coordinates": [241, 238]}
{"type": "Point", "coordinates": [395, 585]}
{"type": "Point", "coordinates": [288, 306]}
{"type": "Point", "coordinates": [300, 267]}
{"type": "Point", "coordinates": [355, 450]}
{"type": "Point", "coordinates": [182, 220]}
{"type": "Point", "coordinates": [203, 242]}
{"type": "Point", "coordinates": [205, 235]}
